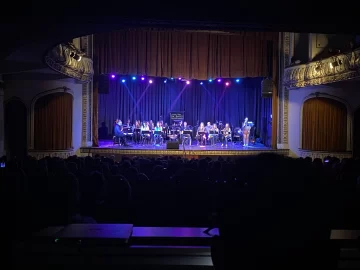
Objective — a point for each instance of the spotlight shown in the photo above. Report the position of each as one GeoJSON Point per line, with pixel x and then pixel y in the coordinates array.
{"type": "Point", "coordinates": [180, 78]}
{"type": "Point", "coordinates": [112, 76]}
{"type": "Point", "coordinates": [219, 80]}
{"type": "Point", "coordinates": [165, 81]}
{"type": "Point", "coordinates": [123, 80]}
{"type": "Point", "coordinates": [227, 84]}
{"type": "Point", "coordinates": [201, 83]}
{"type": "Point", "coordinates": [142, 78]}
{"type": "Point", "coordinates": [187, 82]}
{"type": "Point", "coordinates": [171, 78]}
{"type": "Point", "coordinates": [210, 80]}
{"type": "Point", "coordinates": [150, 81]}
{"type": "Point", "coordinates": [134, 78]}
{"type": "Point", "coordinates": [237, 80]}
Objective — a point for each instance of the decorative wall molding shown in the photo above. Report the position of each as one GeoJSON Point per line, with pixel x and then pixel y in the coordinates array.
{"type": "Point", "coordinates": [32, 109]}
{"type": "Point", "coordinates": [283, 92]}
{"type": "Point", "coordinates": [43, 154]}
{"type": "Point", "coordinates": [336, 68]}
{"type": "Point", "coordinates": [66, 59]}
{"type": "Point", "coordinates": [86, 44]}
{"type": "Point", "coordinates": [349, 117]}
{"type": "Point", "coordinates": [324, 154]}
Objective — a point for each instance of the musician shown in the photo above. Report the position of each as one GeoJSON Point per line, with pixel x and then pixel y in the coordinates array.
{"type": "Point", "coordinates": [151, 125]}
{"type": "Point", "coordinates": [158, 138]}
{"type": "Point", "coordinates": [214, 133]}
{"type": "Point", "coordinates": [226, 134]}
{"type": "Point", "coordinates": [201, 129]}
{"type": "Point", "coordinates": [118, 132]}
{"type": "Point", "coordinates": [137, 130]}
{"type": "Point", "coordinates": [128, 123]}
{"type": "Point", "coordinates": [185, 127]}
{"type": "Point", "coordinates": [146, 136]}
{"type": "Point", "coordinates": [246, 131]}
{"type": "Point", "coordinates": [158, 127]}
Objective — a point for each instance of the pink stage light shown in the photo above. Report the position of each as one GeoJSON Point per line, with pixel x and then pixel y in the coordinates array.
{"type": "Point", "coordinates": [187, 82]}
{"type": "Point", "coordinates": [112, 76]}
{"type": "Point", "coordinates": [219, 80]}
{"type": "Point", "coordinates": [227, 84]}
{"type": "Point", "coordinates": [150, 81]}
{"type": "Point", "coordinates": [180, 78]}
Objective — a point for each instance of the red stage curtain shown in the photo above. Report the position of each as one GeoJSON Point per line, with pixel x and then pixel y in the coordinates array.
{"type": "Point", "coordinates": [324, 125]}
{"type": "Point", "coordinates": [53, 122]}
{"type": "Point", "coordinates": [186, 54]}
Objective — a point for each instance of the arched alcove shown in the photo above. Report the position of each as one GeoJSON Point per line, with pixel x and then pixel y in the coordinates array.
{"type": "Point", "coordinates": [356, 143]}
{"type": "Point", "coordinates": [15, 128]}
{"type": "Point", "coordinates": [52, 120]}
{"type": "Point", "coordinates": [325, 124]}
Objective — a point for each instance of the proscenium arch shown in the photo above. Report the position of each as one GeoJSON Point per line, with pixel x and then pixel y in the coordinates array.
{"type": "Point", "coordinates": [349, 116]}
{"type": "Point", "coordinates": [32, 108]}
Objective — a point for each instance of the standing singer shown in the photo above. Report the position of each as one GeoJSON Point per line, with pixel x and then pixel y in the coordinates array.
{"type": "Point", "coordinates": [246, 131]}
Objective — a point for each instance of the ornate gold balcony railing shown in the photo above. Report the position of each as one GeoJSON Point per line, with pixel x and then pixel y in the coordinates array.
{"type": "Point", "coordinates": [336, 68]}
{"type": "Point", "coordinates": [66, 59]}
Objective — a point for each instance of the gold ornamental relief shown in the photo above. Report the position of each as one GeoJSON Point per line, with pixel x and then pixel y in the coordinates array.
{"type": "Point", "coordinates": [333, 69]}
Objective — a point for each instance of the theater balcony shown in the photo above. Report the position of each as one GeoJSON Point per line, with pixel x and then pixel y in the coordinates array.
{"type": "Point", "coordinates": [337, 68]}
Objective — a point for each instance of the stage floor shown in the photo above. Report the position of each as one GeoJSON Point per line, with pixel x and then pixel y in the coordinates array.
{"type": "Point", "coordinates": [233, 149]}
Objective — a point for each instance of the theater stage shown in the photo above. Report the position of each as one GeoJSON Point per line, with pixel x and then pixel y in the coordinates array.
{"type": "Point", "coordinates": [107, 148]}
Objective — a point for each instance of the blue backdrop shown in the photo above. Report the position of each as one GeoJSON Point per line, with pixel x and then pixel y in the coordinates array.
{"type": "Point", "coordinates": [203, 101]}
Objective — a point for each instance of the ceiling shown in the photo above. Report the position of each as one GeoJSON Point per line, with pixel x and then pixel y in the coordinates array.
{"type": "Point", "coordinates": [34, 28]}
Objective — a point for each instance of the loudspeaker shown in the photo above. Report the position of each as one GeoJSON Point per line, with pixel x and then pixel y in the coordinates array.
{"type": "Point", "coordinates": [172, 145]}
{"type": "Point", "coordinates": [103, 85]}
{"type": "Point", "coordinates": [266, 88]}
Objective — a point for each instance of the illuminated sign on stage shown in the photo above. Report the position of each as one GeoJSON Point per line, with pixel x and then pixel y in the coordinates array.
{"type": "Point", "coordinates": [177, 116]}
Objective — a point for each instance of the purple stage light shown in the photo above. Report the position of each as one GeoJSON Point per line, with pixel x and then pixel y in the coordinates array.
{"type": "Point", "coordinates": [142, 78]}
{"type": "Point", "coordinates": [227, 84]}
{"type": "Point", "coordinates": [150, 81]}
{"type": "Point", "coordinates": [112, 76]}
{"type": "Point", "coordinates": [187, 82]}
{"type": "Point", "coordinates": [219, 80]}
{"type": "Point", "coordinates": [180, 78]}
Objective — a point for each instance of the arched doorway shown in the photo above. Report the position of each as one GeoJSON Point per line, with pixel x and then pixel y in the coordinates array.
{"type": "Point", "coordinates": [356, 149]}
{"type": "Point", "coordinates": [324, 125]}
{"type": "Point", "coordinates": [53, 119]}
{"type": "Point", "coordinates": [15, 129]}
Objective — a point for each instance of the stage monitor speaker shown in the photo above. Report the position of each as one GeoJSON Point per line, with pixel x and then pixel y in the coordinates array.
{"type": "Point", "coordinates": [172, 145]}
{"type": "Point", "coordinates": [103, 85]}
{"type": "Point", "coordinates": [267, 88]}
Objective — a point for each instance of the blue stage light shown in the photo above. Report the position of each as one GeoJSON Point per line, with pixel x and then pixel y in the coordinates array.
{"type": "Point", "coordinates": [123, 80]}
{"type": "Point", "coordinates": [134, 78]}
{"type": "Point", "coordinates": [201, 83]}
{"type": "Point", "coordinates": [165, 81]}
{"type": "Point", "coordinates": [210, 80]}
{"type": "Point", "coordinates": [237, 80]}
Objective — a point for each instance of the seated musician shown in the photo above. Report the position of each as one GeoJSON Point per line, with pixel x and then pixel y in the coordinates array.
{"type": "Point", "coordinates": [146, 134]}
{"type": "Point", "coordinates": [151, 125]}
{"type": "Point", "coordinates": [214, 133]}
{"type": "Point", "coordinates": [118, 132]}
{"type": "Point", "coordinates": [226, 134]}
{"type": "Point", "coordinates": [201, 137]}
{"type": "Point", "coordinates": [158, 136]}
{"type": "Point", "coordinates": [128, 123]}
{"type": "Point", "coordinates": [185, 127]}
